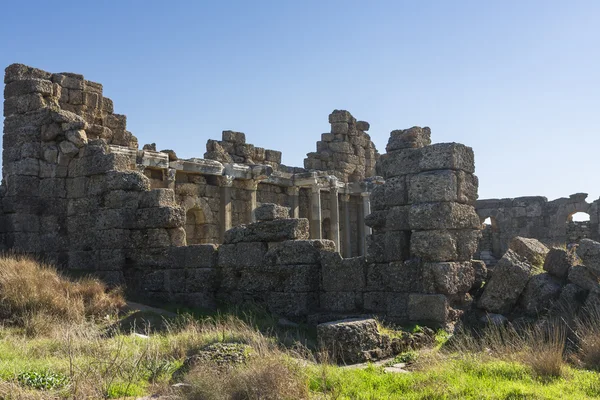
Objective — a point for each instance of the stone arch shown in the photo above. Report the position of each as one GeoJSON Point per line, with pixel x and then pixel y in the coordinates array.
{"type": "Point", "coordinates": [578, 227]}
{"type": "Point", "coordinates": [195, 222]}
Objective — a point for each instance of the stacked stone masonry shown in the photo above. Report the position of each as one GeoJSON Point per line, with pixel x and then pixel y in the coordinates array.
{"type": "Point", "coordinates": [350, 234]}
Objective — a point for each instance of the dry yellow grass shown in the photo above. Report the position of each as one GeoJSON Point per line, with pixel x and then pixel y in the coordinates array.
{"type": "Point", "coordinates": [32, 294]}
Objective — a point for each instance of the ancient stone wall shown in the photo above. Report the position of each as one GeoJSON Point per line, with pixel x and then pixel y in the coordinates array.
{"type": "Point", "coordinates": [347, 151]}
{"type": "Point", "coordinates": [535, 217]}
{"type": "Point", "coordinates": [78, 191]}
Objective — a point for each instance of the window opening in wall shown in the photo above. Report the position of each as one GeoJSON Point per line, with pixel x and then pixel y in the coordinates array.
{"type": "Point", "coordinates": [578, 227]}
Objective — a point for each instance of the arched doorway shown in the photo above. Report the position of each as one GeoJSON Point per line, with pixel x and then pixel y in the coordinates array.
{"type": "Point", "coordinates": [578, 227]}
{"type": "Point", "coordinates": [195, 223]}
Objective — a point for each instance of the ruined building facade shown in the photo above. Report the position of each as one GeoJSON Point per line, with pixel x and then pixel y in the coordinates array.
{"type": "Point", "coordinates": [351, 233]}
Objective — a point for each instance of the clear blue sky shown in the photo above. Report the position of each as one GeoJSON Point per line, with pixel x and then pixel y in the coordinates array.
{"type": "Point", "coordinates": [519, 81]}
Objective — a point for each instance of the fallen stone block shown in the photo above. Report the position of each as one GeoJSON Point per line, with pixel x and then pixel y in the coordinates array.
{"type": "Point", "coordinates": [531, 250]}
{"type": "Point", "coordinates": [269, 231]}
{"type": "Point", "coordinates": [349, 341]}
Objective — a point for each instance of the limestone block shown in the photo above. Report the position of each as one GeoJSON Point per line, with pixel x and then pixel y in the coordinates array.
{"type": "Point", "coordinates": [25, 166]}
{"type": "Point", "coordinates": [362, 125]}
{"type": "Point", "coordinates": [433, 186]}
{"type": "Point", "coordinates": [21, 72]}
{"type": "Point", "coordinates": [50, 132]}
{"type": "Point", "coordinates": [23, 104]}
{"type": "Point", "coordinates": [430, 309]}
{"type": "Point", "coordinates": [341, 147]}
{"type": "Point", "coordinates": [22, 223]}
{"type": "Point", "coordinates": [22, 186]}
{"type": "Point", "coordinates": [247, 254]}
{"type": "Point", "coordinates": [107, 105]}
{"type": "Point", "coordinates": [397, 306]}
{"type": "Point", "coordinates": [341, 301]}
{"type": "Point", "coordinates": [27, 86]}
{"type": "Point", "coordinates": [298, 278]}
{"type": "Point", "coordinates": [541, 292]}
{"type": "Point", "coordinates": [530, 249]}
{"type": "Point", "coordinates": [270, 212]}
{"type": "Point", "coordinates": [112, 239]}
{"type": "Point", "coordinates": [75, 97]}
{"type": "Point", "coordinates": [157, 198]}
{"type": "Point", "coordinates": [51, 154]}
{"type": "Point", "coordinates": [558, 262]}
{"type": "Point", "coordinates": [118, 180]}
{"type": "Point", "coordinates": [77, 187]}
{"type": "Point", "coordinates": [201, 280]}
{"type": "Point", "coordinates": [339, 128]}
{"type": "Point", "coordinates": [395, 277]}
{"type": "Point", "coordinates": [146, 238]}
{"type": "Point", "coordinates": [340, 116]}
{"type": "Point", "coordinates": [159, 217]}
{"type": "Point", "coordinates": [53, 187]}
{"type": "Point", "coordinates": [298, 251]}
{"type": "Point", "coordinates": [154, 281]}
{"type": "Point", "coordinates": [343, 275]}
{"type": "Point", "coordinates": [269, 231]}
{"type": "Point", "coordinates": [376, 302]}
{"type": "Point", "coordinates": [468, 184]}
{"type": "Point", "coordinates": [589, 252]}
{"type": "Point", "coordinates": [67, 148]}
{"type": "Point", "coordinates": [70, 81]}
{"type": "Point", "coordinates": [349, 341]}
{"type": "Point", "coordinates": [510, 277]}
{"type": "Point", "coordinates": [583, 277]}
{"type": "Point", "coordinates": [398, 218]}
{"type": "Point", "coordinates": [454, 156]}
{"type": "Point", "coordinates": [400, 163]}
{"type": "Point", "coordinates": [292, 305]}
{"type": "Point", "coordinates": [448, 215]}
{"type": "Point", "coordinates": [273, 156]}
{"type": "Point", "coordinates": [377, 219]}
{"type": "Point", "coordinates": [414, 137]}
{"type": "Point", "coordinates": [448, 277]}
{"type": "Point", "coordinates": [437, 245]}
{"type": "Point", "coordinates": [327, 137]}
{"type": "Point", "coordinates": [466, 243]}
{"type": "Point", "coordinates": [234, 137]}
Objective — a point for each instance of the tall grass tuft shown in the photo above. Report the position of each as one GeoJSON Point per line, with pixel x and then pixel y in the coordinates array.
{"type": "Point", "coordinates": [35, 295]}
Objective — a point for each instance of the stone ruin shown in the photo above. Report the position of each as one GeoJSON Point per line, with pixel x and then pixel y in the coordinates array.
{"type": "Point", "coordinates": [350, 234]}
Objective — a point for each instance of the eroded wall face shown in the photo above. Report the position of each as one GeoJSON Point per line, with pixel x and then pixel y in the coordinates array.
{"type": "Point", "coordinates": [535, 217]}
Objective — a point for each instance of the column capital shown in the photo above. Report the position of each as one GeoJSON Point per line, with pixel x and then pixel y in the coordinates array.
{"type": "Point", "coordinates": [226, 181]}
{"type": "Point", "coordinates": [293, 190]}
{"type": "Point", "coordinates": [365, 194]}
{"type": "Point", "coordinates": [345, 197]}
{"type": "Point", "coordinates": [315, 188]}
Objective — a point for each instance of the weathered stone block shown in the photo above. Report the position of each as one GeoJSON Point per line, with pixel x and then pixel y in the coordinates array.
{"type": "Point", "coordinates": [448, 277]}
{"type": "Point", "coordinates": [435, 245]}
{"type": "Point", "coordinates": [292, 305]}
{"type": "Point", "coordinates": [468, 184]}
{"type": "Point", "coordinates": [454, 156]}
{"type": "Point", "coordinates": [449, 215]}
{"type": "Point", "coordinates": [396, 191]}
{"type": "Point", "coordinates": [21, 72]}
{"type": "Point", "coordinates": [414, 137]}
{"type": "Point", "coordinates": [159, 217]}
{"type": "Point", "coordinates": [26, 86]}
{"type": "Point", "coordinates": [273, 156]}
{"type": "Point", "coordinates": [157, 198]}
{"type": "Point", "coordinates": [531, 250]}
{"type": "Point", "coordinates": [583, 277]}
{"type": "Point", "coordinates": [349, 341]}
{"type": "Point", "coordinates": [234, 137]}
{"type": "Point", "coordinates": [506, 285]}
{"type": "Point", "coordinates": [22, 186]}
{"type": "Point", "coordinates": [398, 219]}
{"type": "Point", "coordinates": [23, 104]}
{"type": "Point", "coordinates": [466, 243]}
{"type": "Point", "coordinates": [298, 252]}
{"type": "Point", "coordinates": [239, 255]}
{"type": "Point", "coordinates": [53, 187]}
{"type": "Point", "coordinates": [340, 116]}
{"type": "Point", "coordinates": [430, 309]}
{"type": "Point", "coordinates": [271, 211]}
{"type": "Point", "coordinates": [395, 277]}
{"type": "Point", "coordinates": [339, 128]}
{"type": "Point", "coordinates": [269, 231]}
{"type": "Point", "coordinates": [433, 186]}
{"type": "Point", "coordinates": [558, 262]}
{"type": "Point", "coordinates": [343, 275]}
{"type": "Point", "coordinates": [541, 292]}
{"type": "Point", "coordinates": [481, 272]}
{"type": "Point", "coordinates": [341, 301]}
{"type": "Point", "coordinates": [589, 252]}
{"type": "Point", "coordinates": [122, 199]}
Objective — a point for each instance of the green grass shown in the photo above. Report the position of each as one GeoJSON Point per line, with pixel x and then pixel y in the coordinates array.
{"type": "Point", "coordinates": [454, 379]}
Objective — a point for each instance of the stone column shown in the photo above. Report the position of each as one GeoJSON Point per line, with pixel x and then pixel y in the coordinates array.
{"type": "Point", "coordinates": [335, 217]}
{"type": "Point", "coordinates": [294, 193]}
{"type": "Point", "coordinates": [225, 211]}
{"type": "Point", "coordinates": [366, 201]}
{"type": "Point", "coordinates": [253, 187]}
{"type": "Point", "coordinates": [347, 253]}
{"type": "Point", "coordinates": [315, 213]}
{"type": "Point", "coordinates": [364, 230]}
